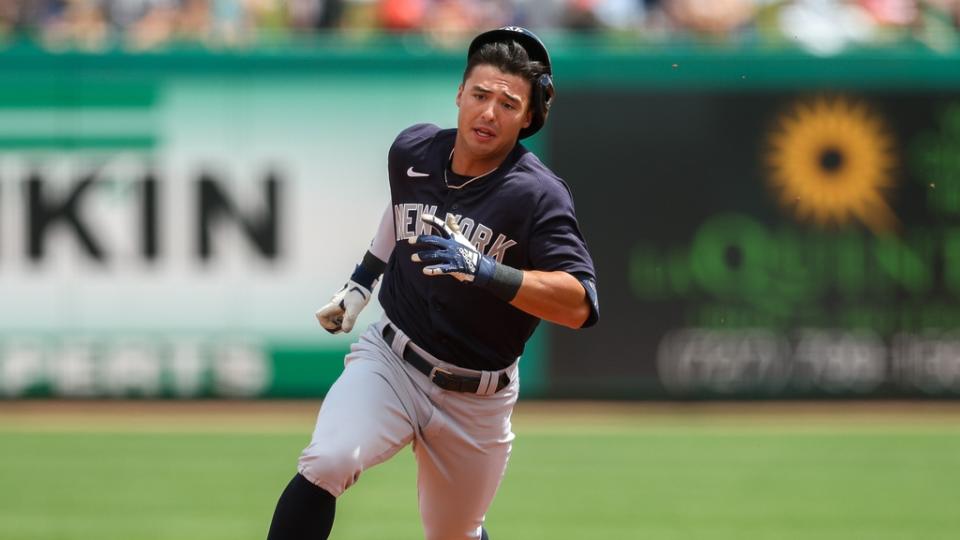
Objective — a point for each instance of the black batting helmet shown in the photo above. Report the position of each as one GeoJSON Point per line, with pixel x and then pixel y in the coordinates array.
{"type": "Point", "coordinates": [543, 91]}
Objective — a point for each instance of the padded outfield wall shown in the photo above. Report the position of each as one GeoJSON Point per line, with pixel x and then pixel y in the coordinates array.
{"type": "Point", "coordinates": [170, 221]}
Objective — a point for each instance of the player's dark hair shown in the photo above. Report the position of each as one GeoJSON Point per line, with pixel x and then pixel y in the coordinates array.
{"type": "Point", "coordinates": [508, 57]}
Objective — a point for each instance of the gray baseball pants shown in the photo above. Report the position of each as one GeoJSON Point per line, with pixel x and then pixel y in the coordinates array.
{"type": "Point", "coordinates": [380, 403]}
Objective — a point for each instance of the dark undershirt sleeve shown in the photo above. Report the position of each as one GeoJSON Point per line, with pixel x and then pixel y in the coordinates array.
{"type": "Point", "coordinates": [590, 286]}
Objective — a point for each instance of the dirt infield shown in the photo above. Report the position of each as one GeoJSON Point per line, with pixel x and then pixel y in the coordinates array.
{"type": "Point", "coordinates": [298, 416]}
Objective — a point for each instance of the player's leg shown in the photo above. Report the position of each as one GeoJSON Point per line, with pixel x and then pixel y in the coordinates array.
{"type": "Point", "coordinates": [454, 495]}
{"type": "Point", "coordinates": [461, 458]}
{"type": "Point", "coordinates": [303, 511]}
{"type": "Point", "coordinates": [362, 422]}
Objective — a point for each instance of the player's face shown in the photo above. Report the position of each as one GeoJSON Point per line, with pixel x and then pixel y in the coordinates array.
{"type": "Point", "coordinates": [494, 107]}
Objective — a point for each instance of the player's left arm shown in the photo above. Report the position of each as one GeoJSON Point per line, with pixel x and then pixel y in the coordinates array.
{"type": "Point", "coordinates": [557, 297]}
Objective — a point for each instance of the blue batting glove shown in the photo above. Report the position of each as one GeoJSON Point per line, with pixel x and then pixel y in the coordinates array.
{"type": "Point", "coordinates": [450, 253]}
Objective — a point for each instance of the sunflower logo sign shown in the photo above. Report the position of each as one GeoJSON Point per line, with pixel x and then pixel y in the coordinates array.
{"type": "Point", "coordinates": [830, 161]}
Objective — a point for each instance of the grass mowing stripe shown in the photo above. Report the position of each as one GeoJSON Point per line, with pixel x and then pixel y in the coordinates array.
{"type": "Point", "coordinates": [715, 486]}
{"type": "Point", "coordinates": [687, 483]}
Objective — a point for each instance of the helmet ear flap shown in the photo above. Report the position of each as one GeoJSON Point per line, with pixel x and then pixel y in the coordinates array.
{"type": "Point", "coordinates": [542, 95]}
{"type": "Point", "coordinates": [547, 91]}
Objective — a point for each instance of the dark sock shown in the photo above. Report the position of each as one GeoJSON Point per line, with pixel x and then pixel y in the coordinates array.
{"type": "Point", "coordinates": [483, 534]}
{"type": "Point", "coordinates": [304, 512]}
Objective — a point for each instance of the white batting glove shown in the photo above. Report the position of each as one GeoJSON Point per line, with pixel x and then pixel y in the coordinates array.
{"type": "Point", "coordinates": [341, 313]}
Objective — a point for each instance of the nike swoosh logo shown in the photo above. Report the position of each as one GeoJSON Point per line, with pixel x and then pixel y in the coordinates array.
{"type": "Point", "coordinates": [414, 174]}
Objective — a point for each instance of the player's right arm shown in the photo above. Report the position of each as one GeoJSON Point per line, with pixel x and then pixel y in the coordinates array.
{"type": "Point", "coordinates": [341, 312]}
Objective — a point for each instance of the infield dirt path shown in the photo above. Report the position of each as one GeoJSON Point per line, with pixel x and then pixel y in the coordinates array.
{"type": "Point", "coordinates": [299, 416]}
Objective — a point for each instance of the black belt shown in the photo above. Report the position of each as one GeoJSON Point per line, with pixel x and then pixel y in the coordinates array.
{"type": "Point", "coordinates": [437, 375]}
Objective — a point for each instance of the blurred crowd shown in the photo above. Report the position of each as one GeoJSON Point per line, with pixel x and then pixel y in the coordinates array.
{"type": "Point", "coordinates": [822, 26]}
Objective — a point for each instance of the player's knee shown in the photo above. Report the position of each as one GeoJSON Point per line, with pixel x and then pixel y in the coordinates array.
{"type": "Point", "coordinates": [333, 469]}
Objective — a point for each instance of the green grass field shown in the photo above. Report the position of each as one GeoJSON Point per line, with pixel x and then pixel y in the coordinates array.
{"type": "Point", "coordinates": [116, 472]}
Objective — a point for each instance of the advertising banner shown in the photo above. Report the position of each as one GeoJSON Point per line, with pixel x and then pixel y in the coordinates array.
{"type": "Point", "coordinates": [776, 243]}
{"type": "Point", "coordinates": [171, 235]}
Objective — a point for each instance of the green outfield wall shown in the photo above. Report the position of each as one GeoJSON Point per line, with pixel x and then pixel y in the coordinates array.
{"type": "Point", "coordinates": [765, 223]}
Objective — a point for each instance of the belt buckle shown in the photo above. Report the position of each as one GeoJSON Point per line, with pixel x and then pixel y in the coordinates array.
{"type": "Point", "coordinates": [438, 376]}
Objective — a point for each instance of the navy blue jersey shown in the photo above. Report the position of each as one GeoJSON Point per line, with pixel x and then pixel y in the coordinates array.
{"type": "Point", "coordinates": [522, 215]}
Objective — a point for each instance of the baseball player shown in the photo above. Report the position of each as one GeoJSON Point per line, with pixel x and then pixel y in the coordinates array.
{"type": "Point", "coordinates": [479, 244]}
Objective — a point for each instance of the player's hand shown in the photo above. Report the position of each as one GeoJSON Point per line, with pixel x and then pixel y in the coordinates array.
{"type": "Point", "coordinates": [450, 253]}
{"type": "Point", "coordinates": [341, 313]}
